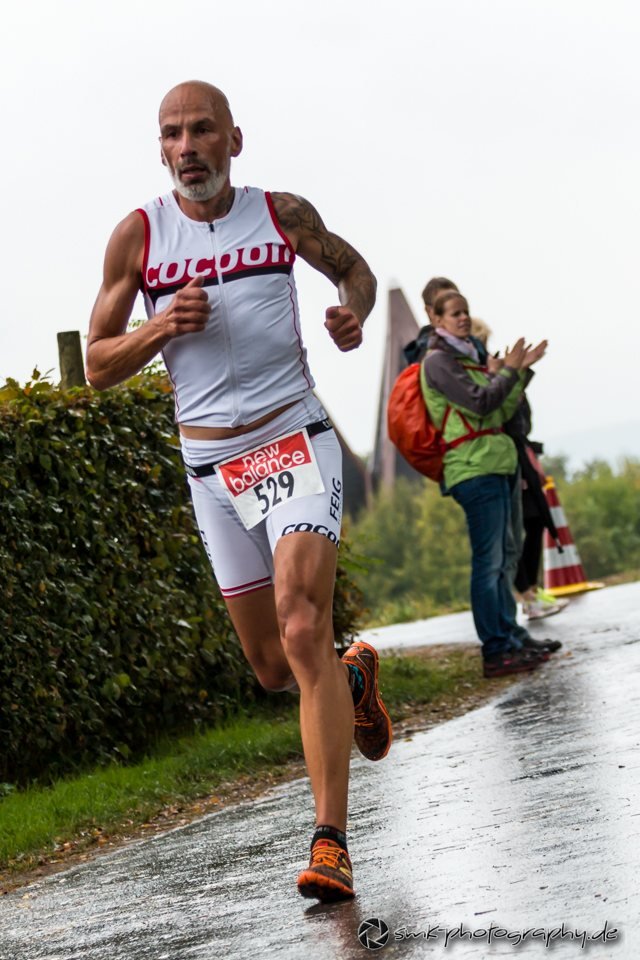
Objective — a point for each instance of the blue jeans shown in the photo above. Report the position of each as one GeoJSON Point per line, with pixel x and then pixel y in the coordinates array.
{"type": "Point", "coordinates": [486, 501]}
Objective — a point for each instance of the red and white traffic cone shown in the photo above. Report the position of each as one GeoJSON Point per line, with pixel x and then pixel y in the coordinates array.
{"type": "Point", "coordinates": [563, 572]}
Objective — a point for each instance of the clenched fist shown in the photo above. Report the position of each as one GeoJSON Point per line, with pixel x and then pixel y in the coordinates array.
{"type": "Point", "coordinates": [189, 310]}
{"type": "Point", "coordinates": [344, 328]}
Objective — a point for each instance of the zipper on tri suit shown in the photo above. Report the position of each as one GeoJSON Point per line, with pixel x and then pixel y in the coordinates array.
{"type": "Point", "coordinates": [226, 326]}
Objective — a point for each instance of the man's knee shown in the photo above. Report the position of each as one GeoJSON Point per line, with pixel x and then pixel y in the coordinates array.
{"type": "Point", "coordinates": [303, 623]}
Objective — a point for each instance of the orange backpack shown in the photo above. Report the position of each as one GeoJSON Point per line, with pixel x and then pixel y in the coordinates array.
{"type": "Point", "coordinates": [412, 431]}
{"type": "Point", "coordinates": [410, 427]}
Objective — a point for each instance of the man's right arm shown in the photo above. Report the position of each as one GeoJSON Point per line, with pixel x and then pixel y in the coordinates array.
{"type": "Point", "coordinates": [112, 354]}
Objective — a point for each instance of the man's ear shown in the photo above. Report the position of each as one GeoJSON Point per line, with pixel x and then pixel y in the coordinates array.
{"type": "Point", "coordinates": [162, 159]}
{"type": "Point", "coordinates": [236, 142]}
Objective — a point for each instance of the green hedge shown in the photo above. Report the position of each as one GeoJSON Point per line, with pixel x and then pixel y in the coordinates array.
{"type": "Point", "coordinates": [111, 628]}
{"type": "Point", "coordinates": [417, 550]}
{"type": "Point", "coordinates": [602, 506]}
{"type": "Point", "coordinates": [417, 545]}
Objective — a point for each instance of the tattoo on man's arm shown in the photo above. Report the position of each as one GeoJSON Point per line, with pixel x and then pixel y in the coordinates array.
{"type": "Point", "coordinates": [297, 214]}
{"type": "Point", "coordinates": [358, 289]}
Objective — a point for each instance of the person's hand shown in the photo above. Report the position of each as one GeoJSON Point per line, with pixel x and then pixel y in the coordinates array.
{"type": "Point", "coordinates": [344, 328]}
{"type": "Point", "coordinates": [495, 364]}
{"type": "Point", "coordinates": [534, 354]}
{"type": "Point", "coordinates": [514, 357]}
{"type": "Point", "coordinates": [188, 312]}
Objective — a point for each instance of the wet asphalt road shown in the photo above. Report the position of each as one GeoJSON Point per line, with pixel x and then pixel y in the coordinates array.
{"type": "Point", "coordinates": [523, 814]}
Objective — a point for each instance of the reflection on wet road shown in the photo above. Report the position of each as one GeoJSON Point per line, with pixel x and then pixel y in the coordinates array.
{"type": "Point", "coordinates": [522, 814]}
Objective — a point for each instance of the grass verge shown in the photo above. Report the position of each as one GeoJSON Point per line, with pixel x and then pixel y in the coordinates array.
{"type": "Point", "coordinates": [41, 825]}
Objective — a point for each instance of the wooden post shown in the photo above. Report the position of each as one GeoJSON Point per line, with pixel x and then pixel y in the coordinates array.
{"type": "Point", "coordinates": [70, 354]}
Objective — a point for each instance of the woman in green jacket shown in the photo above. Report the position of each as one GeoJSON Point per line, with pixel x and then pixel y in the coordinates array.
{"type": "Point", "coordinates": [469, 404]}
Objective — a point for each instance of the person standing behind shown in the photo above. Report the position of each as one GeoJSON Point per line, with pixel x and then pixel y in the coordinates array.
{"type": "Point", "coordinates": [470, 407]}
{"type": "Point", "coordinates": [416, 349]}
{"type": "Point", "coordinates": [529, 513]}
{"type": "Point", "coordinates": [536, 518]}
{"type": "Point", "coordinates": [433, 288]}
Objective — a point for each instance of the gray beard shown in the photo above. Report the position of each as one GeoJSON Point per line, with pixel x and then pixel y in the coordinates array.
{"type": "Point", "coordinates": [201, 191]}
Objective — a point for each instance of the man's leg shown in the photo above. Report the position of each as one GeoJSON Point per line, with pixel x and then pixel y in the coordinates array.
{"type": "Point", "coordinates": [305, 565]}
{"type": "Point", "coordinates": [254, 618]}
{"type": "Point", "coordinates": [286, 633]}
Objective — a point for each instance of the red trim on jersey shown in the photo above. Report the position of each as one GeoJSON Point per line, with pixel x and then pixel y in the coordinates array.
{"type": "Point", "coordinates": [161, 201]}
{"type": "Point", "coordinates": [276, 223]}
{"type": "Point", "coordinates": [298, 334]}
{"type": "Point", "coordinates": [147, 242]}
{"type": "Point", "coordinates": [244, 588]}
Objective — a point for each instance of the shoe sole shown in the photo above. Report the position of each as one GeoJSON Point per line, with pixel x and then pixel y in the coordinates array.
{"type": "Point", "coordinates": [543, 655]}
{"type": "Point", "coordinates": [505, 673]}
{"type": "Point", "coordinates": [545, 613]}
{"type": "Point", "coordinates": [381, 706]}
{"type": "Point", "coordinates": [315, 886]}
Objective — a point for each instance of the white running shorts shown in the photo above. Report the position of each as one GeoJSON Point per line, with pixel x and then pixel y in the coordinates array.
{"type": "Point", "coordinates": [242, 559]}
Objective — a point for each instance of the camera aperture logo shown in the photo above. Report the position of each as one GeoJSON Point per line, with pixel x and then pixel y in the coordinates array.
{"type": "Point", "coordinates": [373, 934]}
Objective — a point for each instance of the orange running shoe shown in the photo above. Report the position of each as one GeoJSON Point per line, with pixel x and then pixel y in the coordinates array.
{"type": "Point", "coordinates": [373, 727]}
{"type": "Point", "coordinates": [329, 876]}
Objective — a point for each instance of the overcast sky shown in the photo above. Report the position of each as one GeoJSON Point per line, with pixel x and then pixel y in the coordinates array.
{"type": "Point", "coordinates": [493, 141]}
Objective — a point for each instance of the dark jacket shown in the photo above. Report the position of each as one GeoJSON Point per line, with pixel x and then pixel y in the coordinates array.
{"type": "Point", "coordinates": [534, 501]}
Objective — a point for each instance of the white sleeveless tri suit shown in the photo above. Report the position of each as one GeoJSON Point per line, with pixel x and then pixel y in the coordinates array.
{"type": "Point", "coordinates": [249, 361]}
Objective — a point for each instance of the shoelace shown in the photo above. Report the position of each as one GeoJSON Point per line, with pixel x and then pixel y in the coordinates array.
{"type": "Point", "coordinates": [362, 719]}
{"type": "Point", "coordinates": [329, 856]}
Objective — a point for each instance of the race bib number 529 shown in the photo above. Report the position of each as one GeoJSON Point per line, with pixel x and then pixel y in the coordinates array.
{"type": "Point", "coordinates": [261, 479]}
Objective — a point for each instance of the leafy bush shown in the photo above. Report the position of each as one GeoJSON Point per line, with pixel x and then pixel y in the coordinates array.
{"type": "Point", "coordinates": [417, 551]}
{"type": "Point", "coordinates": [417, 547]}
{"type": "Point", "coordinates": [112, 628]}
{"type": "Point", "coordinates": [603, 513]}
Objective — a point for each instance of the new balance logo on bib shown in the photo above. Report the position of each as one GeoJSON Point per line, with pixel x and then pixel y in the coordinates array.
{"type": "Point", "coordinates": [261, 479]}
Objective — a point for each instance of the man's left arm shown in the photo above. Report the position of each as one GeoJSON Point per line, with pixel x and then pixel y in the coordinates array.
{"type": "Point", "coordinates": [337, 260]}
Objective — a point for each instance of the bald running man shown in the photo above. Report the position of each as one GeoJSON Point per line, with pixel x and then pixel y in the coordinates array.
{"type": "Point", "coordinates": [214, 263]}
